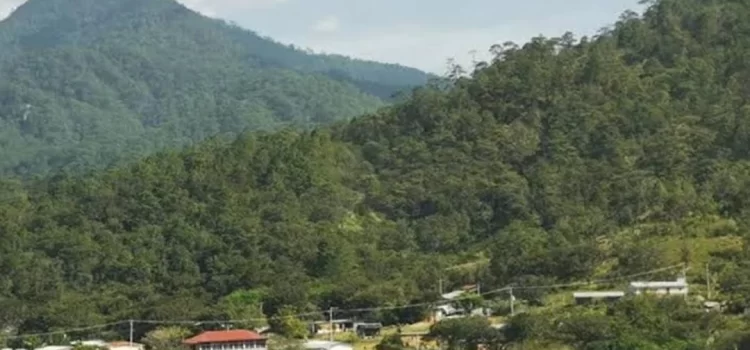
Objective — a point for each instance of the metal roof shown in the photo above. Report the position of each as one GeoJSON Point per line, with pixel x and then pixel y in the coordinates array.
{"type": "Point", "coordinates": [325, 345]}
{"type": "Point", "coordinates": [599, 294]}
{"type": "Point", "coordinates": [659, 284]}
{"type": "Point", "coordinates": [453, 295]}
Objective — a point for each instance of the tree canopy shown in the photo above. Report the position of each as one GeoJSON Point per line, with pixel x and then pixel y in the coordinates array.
{"type": "Point", "coordinates": [562, 160]}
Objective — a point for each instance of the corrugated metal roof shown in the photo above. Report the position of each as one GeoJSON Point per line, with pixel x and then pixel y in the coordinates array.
{"type": "Point", "coordinates": [452, 295]}
{"type": "Point", "coordinates": [658, 284]}
{"type": "Point", "coordinates": [599, 294]}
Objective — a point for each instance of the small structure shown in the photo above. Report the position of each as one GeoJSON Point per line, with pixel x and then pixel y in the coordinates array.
{"type": "Point", "coordinates": [453, 295]}
{"type": "Point", "coordinates": [238, 339]}
{"type": "Point", "coordinates": [582, 298]}
{"type": "Point", "coordinates": [92, 343]}
{"type": "Point", "coordinates": [444, 311]}
{"type": "Point", "coordinates": [368, 330]}
{"type": "Point", "coordinates": [117, 345]}
{"type": "Point", "coordinates": [124, 345]}
{"type": "Point", "coordinates": [326, 345]}
{"type": "Point", "coordinates": [334, 326]}
{"type": "Point", "coordinates": [678, 287]}
{"type": "Point", "coordinates": [713, 306]}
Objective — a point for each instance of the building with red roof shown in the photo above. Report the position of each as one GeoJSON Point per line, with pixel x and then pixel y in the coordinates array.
{"type": "Point", "coordinates": [236, 339]}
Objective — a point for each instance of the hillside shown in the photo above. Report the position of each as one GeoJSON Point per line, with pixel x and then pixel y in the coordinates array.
{"type": "Point", "coordinates": [90, 83]}
{"type": "Point", "coordinates": [561, 161]}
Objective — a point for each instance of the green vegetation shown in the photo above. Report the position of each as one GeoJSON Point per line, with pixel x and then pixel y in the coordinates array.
{"type": "Point", "coordinates": [560, 161]}
{"type": "Point", "coordinates": [167, 338]}
{"type": "Point", "coordinates": [87, 84]}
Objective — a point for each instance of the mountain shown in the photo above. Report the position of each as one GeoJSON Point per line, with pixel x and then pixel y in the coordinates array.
{"type": "Point", "coordinates": [562, 164]}
{"type": "Point", "coordinates": [89, 83]}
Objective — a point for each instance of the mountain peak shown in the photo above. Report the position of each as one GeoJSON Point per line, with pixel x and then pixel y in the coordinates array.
{"type": "Point", "coordinates": [50, 23]}
{"type": "Point", "coordinates": [153, 74]}
{"type": "Point", "coordinates": [38, 14]}
{"type": "Point", "coordinates": [85, 8]}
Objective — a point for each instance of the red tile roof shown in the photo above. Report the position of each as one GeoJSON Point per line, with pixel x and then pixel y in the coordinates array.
{"type": "Point", "coordinates": [235, 335]}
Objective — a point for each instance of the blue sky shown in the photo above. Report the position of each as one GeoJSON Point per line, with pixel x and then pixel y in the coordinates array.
{"type": "Point", "coordinates": [417, 33]}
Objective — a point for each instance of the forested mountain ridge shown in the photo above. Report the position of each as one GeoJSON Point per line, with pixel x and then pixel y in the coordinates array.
{"type": "Point", "coordinates": [561, 161]}
{"type": "Point", "coordinates": [88, 83]}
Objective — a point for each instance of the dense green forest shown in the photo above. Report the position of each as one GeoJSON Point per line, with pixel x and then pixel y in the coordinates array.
{"type": "Point", "coordinates": [86, 84]}
{"type": "Point", "coordinates": [560, 161]}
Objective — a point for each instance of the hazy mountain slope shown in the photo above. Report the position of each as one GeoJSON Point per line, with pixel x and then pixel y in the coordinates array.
{"type": "Point", "coordinates": [92, 82]}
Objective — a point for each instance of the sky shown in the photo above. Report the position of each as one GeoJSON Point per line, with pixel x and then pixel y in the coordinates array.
{"type": "Point", "coordinates": [417, 33]}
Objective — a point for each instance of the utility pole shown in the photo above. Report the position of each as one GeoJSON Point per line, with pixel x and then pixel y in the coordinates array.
{"type": "Point", "coordinates": [330, 323]}
{"type": "Point", "coordinates": [512, 301]}
{"type": "Point", "coordinates": [708, 282]}
{"type": "Point", "coordinates": [684, 277]}
{"type": "Point", "coordinates": [131, 333]}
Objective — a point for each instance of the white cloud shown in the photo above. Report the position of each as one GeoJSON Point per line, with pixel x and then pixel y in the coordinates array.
{"type": "Point", "coordinates": [6, 6]}
{"type": "Point", "coordinates": [327, 25]}
{"type": "Point", "coordinates": [416, 46]}
{"type": "Point", "coordinates": [429, 47]}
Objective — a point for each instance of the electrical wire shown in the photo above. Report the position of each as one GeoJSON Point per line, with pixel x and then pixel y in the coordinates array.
{"type": "Point", "coordinates": [369, 309]}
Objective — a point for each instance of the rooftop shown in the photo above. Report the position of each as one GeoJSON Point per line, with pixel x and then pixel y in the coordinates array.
{"type": "Point", "coordinates": [324, 345]}
{"type": "Point", "coordinates": [447, 309]}
{"type": "Point", "coordinates": [599, 294]}
{"type": "Point", "coordinates": [679, 283]}
{"type": "Point", "coordinates": [337, 321]}
{"type": "Point", "coordinates": [453, 295]}
{"type": "Point", "coordinates": [235, 335]}
{"type": "Point", "coordinates": [122, 344]}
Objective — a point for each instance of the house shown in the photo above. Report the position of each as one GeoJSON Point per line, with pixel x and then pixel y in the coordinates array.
{"type": "Point", "coordinates": [678, 287]}
{"type": "Point", "coordinates": [118, 345]}
{"type": "Point", "coordinates": [56, 347]}
{"type": "Point", "coordinates": [333, 326]}
{"type": "Point", "coordinates": [124, 345]}
{"type": "Point", "coordinates": [368, 330]}
{"type": "Point", "coordinates": [444, 311]}
{"type": "Point", "coordinates": [237, 339]}
{"type": "Point", "coordinates": [92, 343]}
{"type": "Point", "coordinates": [326, 345]}
{"type": "Point", "coordinates": [716, 306]}
{"type": "Point", "coordinates": [453, 295]}
{"type": "Point", "coordinates": [589, 297]}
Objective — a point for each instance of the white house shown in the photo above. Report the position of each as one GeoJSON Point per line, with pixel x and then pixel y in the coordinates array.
{"type": "Point", "coordinates": [233, 339]}
{"type": "Point", "coordinates": [678, 287]}
{"type": "Point", "coordinates": [326, 345]}
{"type": "Point", "coordinates": [124, 345]}
{"type": "Point", "coordinates": [56, 347]}
{"type": "Point", "coordinates": [453, 295]}
{"type": "Point", "coordinates": [94, 343]}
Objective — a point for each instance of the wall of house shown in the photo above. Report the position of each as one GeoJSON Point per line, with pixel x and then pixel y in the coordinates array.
{"type": "Point", "coordinates": [661, 291]}
{"type": "Point", "coordinates": [255, 345]}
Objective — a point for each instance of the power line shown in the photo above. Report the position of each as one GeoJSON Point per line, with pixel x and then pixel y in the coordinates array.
{"type": "Point", "coordinates": [65, 331]}
{"type": "Point", "coordinates": [601, 281]}
{"type": "Point", "coordinates": [369, 309]}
